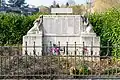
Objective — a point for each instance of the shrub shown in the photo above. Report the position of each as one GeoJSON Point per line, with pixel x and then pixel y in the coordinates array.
{"type": "Point", "coordinates": [107, 26]}
{"type": "Point", "coordinates": [14, 26]}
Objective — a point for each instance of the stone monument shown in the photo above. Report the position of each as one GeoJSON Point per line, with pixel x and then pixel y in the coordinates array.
{"type": "Point", "coordinates": [61, 28]}
{"type": "Point", "coordinates": [33, 40]}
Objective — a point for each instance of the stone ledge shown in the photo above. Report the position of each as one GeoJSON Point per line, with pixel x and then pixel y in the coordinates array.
{"type": "Point", "coordinates": [30, 35]}
{"type": "Point", "coordinates": [83, 34]}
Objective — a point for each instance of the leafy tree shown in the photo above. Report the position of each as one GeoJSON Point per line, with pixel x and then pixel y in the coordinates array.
{"type": "Point", "coordinates": [67, 4]}
{"type": "Point", "coordinates": [57, 6]}
{"type": "Point", "coordinates": [103, 5]}
{"type": "Point", "coordinates": [51, 6]}
{"type": "Point", "coordinates": [0, 3]}
{"type": "Point", "coordinates": [17, 3]}
{"type": "Point", "coordinates": [78, 9]}
{"type": "Point", "coordinates": [54, 3]}
{"type": "Point", "coordinates": [11, 1]}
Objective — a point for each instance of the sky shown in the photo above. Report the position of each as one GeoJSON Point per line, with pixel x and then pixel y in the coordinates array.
{"type": "Point", "coordinates": [49, 2]}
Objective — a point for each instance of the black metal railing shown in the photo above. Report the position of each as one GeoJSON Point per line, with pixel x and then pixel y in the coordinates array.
{"type": "Point", "coordinates": [15, 65]}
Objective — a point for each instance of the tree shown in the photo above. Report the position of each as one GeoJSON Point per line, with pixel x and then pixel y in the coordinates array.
{"type": "Point", "coordinates": [44, 9]}
{"type": "Point", "coordinates": [103, 5]}
{"type": "Point", "coordinates": [54, 3]}
{"type": "Point", "coordinates": [107, 26]}
{"type": "Point", "coordinates": [3, 3]}
{"type": "Point", "coordinates": [51, 6]}
{"type": "Point", "coordinates": [0, 3]}
{"type": "Point", "coordinates": [57, 6]}
{"type": "Point", "coordinates": [78, 9]}
{"type": "Point", "coordinates": [67, 4]}
{"type": "Point", "coordinates": [17, 3]}
{"type": "Point", "coordinates": [11, 1]}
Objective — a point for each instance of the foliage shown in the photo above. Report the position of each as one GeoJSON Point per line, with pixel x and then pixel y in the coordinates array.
{"type": "Point", "coordinates": [44, 9]}
{"type": "Point", "coordinates": [82, 69]}
{"type": "Point", "coordinates": [55, 5]}
{"type": "Point", "coordinates": [111, 71]}
{"type": "Point", "coordinates": [106, 25]}
{"type": "Point", "coordinates": [17, 3]}
{"type": "Point", "coordinates": [103, 5]}
{"type": "Point", "coordinates": [78, 9]}
{"type": "Point", "coordinates": [14, 26]}
{"type": "Point", "coordinates": [67, 4]}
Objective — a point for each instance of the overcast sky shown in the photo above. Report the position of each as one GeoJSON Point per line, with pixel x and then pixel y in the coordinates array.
{"type": "Point", "coordinates": [49, 2]}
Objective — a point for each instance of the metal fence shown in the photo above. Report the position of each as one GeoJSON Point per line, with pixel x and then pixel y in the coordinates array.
{"type": "Point", "coordinates": [14, 65]}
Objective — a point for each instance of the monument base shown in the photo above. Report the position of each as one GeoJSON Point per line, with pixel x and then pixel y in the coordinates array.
{"type": "Point", "coordinates": [91, 44]}
{"type": "Point", "coordinates": [32, 44]}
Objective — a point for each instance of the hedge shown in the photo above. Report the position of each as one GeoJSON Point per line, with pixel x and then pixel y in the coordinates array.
{"type": "Point", "coordinates": [14, 26]}
{"type": "Point", "coordinates": [107, 26]}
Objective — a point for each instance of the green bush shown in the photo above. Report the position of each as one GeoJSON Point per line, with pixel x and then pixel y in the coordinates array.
{"type": "Point", "coordinates": [107, 26]}
{"type": "Point", "coordinates": [14, 26]}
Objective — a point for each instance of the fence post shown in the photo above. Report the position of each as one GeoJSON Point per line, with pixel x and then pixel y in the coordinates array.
{"type": "Point", "coordinates": [50, 47]}
{"type": "Point", "coordinates": [50, 61]}
{"type": "Point", "coordinates": [46, 52]}
{"type": "Point", "coordinates": [91, 48]}
{"type": "Point", "coordinates": [26, 62]}
{"type": "Point", "coordinates": [75, 59]}
{"type": "Point", "coordinates": [116, 60]}
{"type": "Point", "coordinates": [75, 48]}
{"type": "Point", "coordinates": [25, 48]}
{"type": "Point", "coordinates": [92, 56]}
{"type": "Point", "coordinates": [83, 58]}
{"type": "Point", "coordinates": [59, 60]}
{"type": "Point", "coordinates": [67, 57]}
{"type": "Point", "coordinates": [83, 49]}
{"type": "Point", "coordinates": [108, 48]}
{"type": "Point", "coordinates": [1, 64]}
{"type": "Point", "coordinates": [59, 47]}
{"type": "Point", "coordinates": [34, 52]}
{"type": "Point", "coordinates": [64, 49]}
{"type": "Point", "coordinates": [67, 48]}
{"type": "Point", "coordinates": [9, 57]}
{"type": "Point", "coordinates": [18, 65]}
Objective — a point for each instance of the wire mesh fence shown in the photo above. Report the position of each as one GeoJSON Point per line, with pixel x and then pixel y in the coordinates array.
{"type": "Point", "coordinates": [15, 65]}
